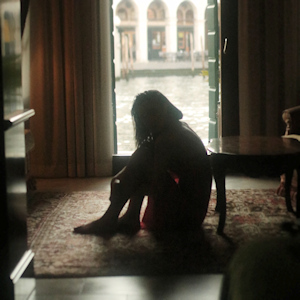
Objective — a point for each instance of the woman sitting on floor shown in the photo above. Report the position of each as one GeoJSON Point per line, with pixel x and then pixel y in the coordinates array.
{"type": "Point", "coordinates": [170, 165]}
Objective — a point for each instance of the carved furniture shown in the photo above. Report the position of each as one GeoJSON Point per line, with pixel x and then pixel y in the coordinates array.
{"type": "Point", "coordinates": [262, 155]}
{"type": "Point", "coordinates": [291, 118]}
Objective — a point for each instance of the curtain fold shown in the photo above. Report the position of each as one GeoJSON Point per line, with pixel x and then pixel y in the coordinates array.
{"type": "Point", "coordinates": [269, 61]}
{"type": "Point", "coordinates": [71, 88]}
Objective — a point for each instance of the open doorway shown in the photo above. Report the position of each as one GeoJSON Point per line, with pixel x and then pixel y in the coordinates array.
{"type": "Point", "coordinates": [159, 45]}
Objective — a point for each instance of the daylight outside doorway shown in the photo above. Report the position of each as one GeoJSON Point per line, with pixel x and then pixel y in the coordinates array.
{"type": "Point", "coordinates": [161, 45]}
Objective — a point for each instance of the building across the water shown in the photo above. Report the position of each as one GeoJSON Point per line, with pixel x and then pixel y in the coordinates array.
{"type": "Point", "coordinates": [167, 30]}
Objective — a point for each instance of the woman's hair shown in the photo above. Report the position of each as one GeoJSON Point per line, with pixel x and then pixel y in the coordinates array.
{"type": "Point", "coordinates": [141, 132]}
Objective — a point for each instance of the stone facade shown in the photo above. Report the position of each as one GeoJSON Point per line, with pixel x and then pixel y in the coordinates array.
{"type": "Point", "coordinates": [147, 30]}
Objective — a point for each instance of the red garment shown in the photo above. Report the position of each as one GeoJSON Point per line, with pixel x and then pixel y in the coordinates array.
{"type": "Point", "coordinates": [174, 211]}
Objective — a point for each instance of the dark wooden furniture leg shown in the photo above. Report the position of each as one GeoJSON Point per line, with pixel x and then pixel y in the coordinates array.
{"type": "Point", "coordinates": [287, 187]}
{"type": "Point", "coordinates": [298, 196]}
{"type": "Point", "coordinates": [219, 173]}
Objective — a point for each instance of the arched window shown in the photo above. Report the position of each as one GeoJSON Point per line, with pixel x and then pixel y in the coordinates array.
{"type": "Point", "coordinates": [156, 11]}
{"type": "Point", "coordinates": [189, 17]}
{"type": "Point", "coordinates": [151, 14]}
{"type": "Point", "coordinates": [122, 14]}
{"type": "Point", "coordinates": [185, 14]}
{"type": "Point", "coordinates": [156, 30]}
{"type": "Point", "coordinates": [185, 26]}
{"type": "Point", "coordinates": [125, 11]}
{"type": "Point", "coordinates": [179, 16]}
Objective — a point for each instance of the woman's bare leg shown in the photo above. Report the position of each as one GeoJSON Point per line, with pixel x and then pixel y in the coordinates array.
{"type": "Point", "coordinates": [109, 221]}
{"type": "Point", "coordinates": [125, 184]}
{"type": "Point", "coordinates": [130, 221]}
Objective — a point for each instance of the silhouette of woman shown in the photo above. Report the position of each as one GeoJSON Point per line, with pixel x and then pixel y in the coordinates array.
{"type": "Point", "coordinates": [170, 166]}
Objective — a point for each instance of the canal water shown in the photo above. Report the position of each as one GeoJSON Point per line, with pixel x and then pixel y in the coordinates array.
{"type": "Point", "coordinates": [188, 93]}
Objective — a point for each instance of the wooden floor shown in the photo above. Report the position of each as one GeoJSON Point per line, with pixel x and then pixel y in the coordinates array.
{"type": "Point", "coordinates": [205, 287]}
{"type": "Point", "coordinates": [100, 184]}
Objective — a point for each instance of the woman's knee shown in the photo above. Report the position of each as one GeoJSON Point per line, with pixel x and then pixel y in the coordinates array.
{"type": "Point", "coordinates": [142, 155]}
{"type": "Point", "coordinates": [140, 165]}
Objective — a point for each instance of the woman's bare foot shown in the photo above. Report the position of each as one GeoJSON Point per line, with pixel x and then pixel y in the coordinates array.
{"type": "Point", "coordinates": [102, 226]}
{"type": "Point", "coordinates": [128, 225]}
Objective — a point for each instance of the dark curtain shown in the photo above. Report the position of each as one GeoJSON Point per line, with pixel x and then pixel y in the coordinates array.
{"type": "Point", "coordinates": [269, 64]}
{"type": "Point", "coordinates": [70, 88]}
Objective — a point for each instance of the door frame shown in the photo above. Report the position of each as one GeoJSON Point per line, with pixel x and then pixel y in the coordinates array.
{"type": "Point", "coordinates": [212, 13]}
{"type": "Point", "coordinates": [230, 122]}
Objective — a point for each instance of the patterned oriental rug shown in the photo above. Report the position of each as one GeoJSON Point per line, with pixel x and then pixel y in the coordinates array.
{"type": "Point", "coordinates": [59, 252]}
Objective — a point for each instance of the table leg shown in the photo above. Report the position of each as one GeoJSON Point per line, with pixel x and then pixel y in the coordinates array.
{"type": "Point", "coordinates": [287, 187]}
{"type": "Point", "coordinates": [219, 176]}
{"type": "Point", "coordinates": [221, 202]}
{"type": "Point", "coordinates": [298, 194]}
